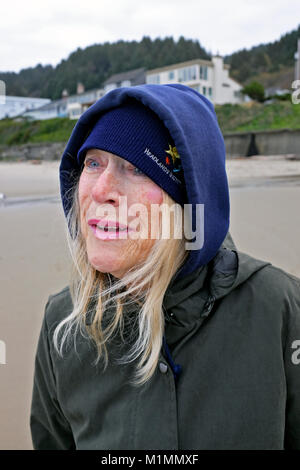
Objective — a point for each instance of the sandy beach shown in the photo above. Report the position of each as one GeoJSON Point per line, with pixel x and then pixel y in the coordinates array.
{"type": "Point", "coordinates": [29, 179]}
{"type": "Point", "coordinates": [265, 222]}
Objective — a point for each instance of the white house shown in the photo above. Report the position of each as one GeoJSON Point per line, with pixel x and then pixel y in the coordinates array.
{"type": "Point", "coordinates": [210, 78]}
{"type": "Point", "coordinates": [12, 106]}
{"type": "Point", "coordinates": [77, 104]}
{"type": "Point", "coordinates": [69, 106]}
{"type": "Point", "coordinates": [54, 109]}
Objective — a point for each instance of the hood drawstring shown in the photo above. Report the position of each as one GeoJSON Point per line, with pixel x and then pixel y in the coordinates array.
{"type": "Point", "coordinates": [176, 368]}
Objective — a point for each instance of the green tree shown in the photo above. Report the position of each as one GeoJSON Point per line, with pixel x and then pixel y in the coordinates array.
{"type": "Point", "coordinates": [255, 90]}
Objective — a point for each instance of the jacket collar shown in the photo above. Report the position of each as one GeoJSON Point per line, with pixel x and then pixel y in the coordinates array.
{"type": "Point", "coordinates": [224, 264]}
{"type": "Point", "coordinates": [228, 269]}
{"type": "Point", "coordinates": [190, 300]}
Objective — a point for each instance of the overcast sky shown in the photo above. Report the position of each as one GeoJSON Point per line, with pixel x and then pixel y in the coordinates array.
{"type": "Point", "coordinates": [46, 32]}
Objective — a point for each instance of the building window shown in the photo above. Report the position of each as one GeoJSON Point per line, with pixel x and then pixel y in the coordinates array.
{"type": "Point", "coordinates": [110, 86]}
{"type": "Point", "coordinates": [203, 72]}
{"type": "Point", "coordinates": [181, 76]}
{"type": "Point", "coordinates": [171, 75]}
{"type": "Point", "coordinates": [204, 90]}
{"type": "Point", "coordinates": [187, 74]}
{"type": "Point", "coordinates": [210, 91]}
{"type": "Point", "coordinates": [197, 88]}
{"type": "Point", "coordinates": [193, 72]}
{"type": "Point", "coordinates": [226, 85]}
{"type": "Point", "coordinates": [75, 113]}
{"type": "Point", "coordinates": [125, 83]}
{"type": "Point", "coordinates": [153, 79]}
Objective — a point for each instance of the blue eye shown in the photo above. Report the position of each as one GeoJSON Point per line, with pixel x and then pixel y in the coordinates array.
{"type": "Point", "coordinates": [89, 161]}
{"type": "Point", "coordinates": [137, 171]}
{"type": "Point", "coordinates": [94, 164]}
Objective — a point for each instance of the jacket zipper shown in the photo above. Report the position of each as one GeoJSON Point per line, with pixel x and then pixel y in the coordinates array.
{"type": "Point", "coordinates": [209, 305]}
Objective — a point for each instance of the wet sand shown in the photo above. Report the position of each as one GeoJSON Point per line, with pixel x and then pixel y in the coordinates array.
{"type": "Point", "coordinates": [28, 179]}
{"type": "Point", "coordinates": [34, 259]}
{"type": "Point", "coordinates": [19, 179]}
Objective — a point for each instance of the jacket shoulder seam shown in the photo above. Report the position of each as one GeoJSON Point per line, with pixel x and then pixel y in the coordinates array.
{"type": "Point", "coordinates": [290, 276]}
{"type": "Point", "coordinates": [57, 294]}
{"type": "Point", "coordinates": [52, 300]}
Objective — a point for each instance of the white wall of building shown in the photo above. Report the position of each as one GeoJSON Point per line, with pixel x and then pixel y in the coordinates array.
{"type": "Point", "coordinates": [15, 105]}
{"type": "Point", "coordinates": [209, 78]}
{"type": "Point", "coordinates": [71, 106]}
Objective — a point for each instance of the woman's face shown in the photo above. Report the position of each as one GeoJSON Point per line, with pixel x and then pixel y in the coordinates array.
{"type": "Point", "coordinates": [104, 179]}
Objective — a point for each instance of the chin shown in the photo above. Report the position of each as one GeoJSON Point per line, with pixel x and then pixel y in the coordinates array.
{"type": "Point", "coordinates": [105, 266]}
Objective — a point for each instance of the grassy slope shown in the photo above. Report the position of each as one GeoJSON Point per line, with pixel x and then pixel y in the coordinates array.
{"type": "Point", "coordinates": [232, 118]}
{"type": "Point", "coordinates": [20, 132]}
{"type": "Point", "coordinates": [258, 117]}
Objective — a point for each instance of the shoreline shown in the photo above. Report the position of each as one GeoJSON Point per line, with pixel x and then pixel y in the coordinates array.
{"type": "Point", "coordinates": [28, 182]}
{"type": "Point", "coordinates": [240, 184]}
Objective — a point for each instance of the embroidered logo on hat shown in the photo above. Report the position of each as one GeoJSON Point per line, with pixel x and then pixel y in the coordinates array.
{"type": "Point", "coordinates": [175, 158]}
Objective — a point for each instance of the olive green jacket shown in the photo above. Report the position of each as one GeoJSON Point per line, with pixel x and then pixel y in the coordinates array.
{"type": "Point", "coordinates": [234, 328]}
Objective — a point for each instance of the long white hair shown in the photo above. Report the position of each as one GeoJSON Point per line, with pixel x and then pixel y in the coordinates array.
{"type": "Point", "coordinates": [143, 287]}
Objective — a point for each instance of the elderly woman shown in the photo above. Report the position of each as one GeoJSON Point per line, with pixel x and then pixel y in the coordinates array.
{"type": "Point", "coordinates": [167, 336]}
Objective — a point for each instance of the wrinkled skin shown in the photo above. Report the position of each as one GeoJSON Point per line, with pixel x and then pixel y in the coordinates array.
{"type": "Point", "coordinates": [106, 177]}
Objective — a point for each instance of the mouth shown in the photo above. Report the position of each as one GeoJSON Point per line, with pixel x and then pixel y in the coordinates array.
{"type": "Point", "coordinates": [107, 226]}
{"type": "Point", "coordinates": [109, 229]}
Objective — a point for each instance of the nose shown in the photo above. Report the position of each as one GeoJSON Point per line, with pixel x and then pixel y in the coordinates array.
{"type": "Point", "coordinates": [107, 187]}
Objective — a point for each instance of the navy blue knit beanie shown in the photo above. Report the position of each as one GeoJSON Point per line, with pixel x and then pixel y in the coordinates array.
{"type": "Point", "coordinates": [134, 132]}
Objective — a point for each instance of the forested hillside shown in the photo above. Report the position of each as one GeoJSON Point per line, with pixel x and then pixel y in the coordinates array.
{"type": "Point", "coordinates": [271, 63]}
{"type": "Point", "coordinates": [94, 64]}
{"type": "Point", "coordinates": [265, 58]}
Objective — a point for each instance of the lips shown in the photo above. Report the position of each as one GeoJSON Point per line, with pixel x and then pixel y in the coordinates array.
{"type": "Point", "coordinates": [107, 230]}
{"type": "Point", "coordinates": [107, 225]}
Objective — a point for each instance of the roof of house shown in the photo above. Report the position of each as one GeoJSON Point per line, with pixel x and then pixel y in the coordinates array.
{"type": "Point", "coordinates": [187, 63]}
{"type": "Point", "coordinates": [133, 75]}
{"type": "Point", "coordinates": [179, 65]}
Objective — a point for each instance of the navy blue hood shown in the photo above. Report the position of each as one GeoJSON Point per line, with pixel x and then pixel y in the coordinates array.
{"type": "Point", "coordinates": [192, 123]}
